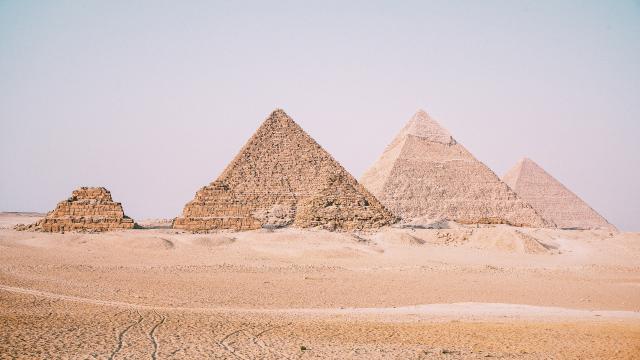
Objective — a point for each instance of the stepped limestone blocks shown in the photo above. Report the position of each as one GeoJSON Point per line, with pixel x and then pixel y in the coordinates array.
{"type": "Point", "coordinates": [425, 175]}
{"type": "Point", "coordinates": [551, 199]}
{"type": "Point", "coordinates": [88, 209]}
{"type": "Point", "coordinates": [282, 177]}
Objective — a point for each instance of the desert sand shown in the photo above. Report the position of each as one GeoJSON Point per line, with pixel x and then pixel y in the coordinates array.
{"type": "Point", "coordinates": [462, 292]}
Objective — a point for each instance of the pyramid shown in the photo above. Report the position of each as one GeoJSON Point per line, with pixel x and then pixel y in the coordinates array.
{"type": "Point", "coordinates": [425, 175]}
{"type": "Point", "coordinates": [282, 177]}
{"type": "Point", "coordinates": [551, 199]}
{"type": "Point", "coordinates": [88, 209]}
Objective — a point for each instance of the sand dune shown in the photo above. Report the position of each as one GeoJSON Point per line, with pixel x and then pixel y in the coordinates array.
{"type": "Point", "coordinates": [463, 292]}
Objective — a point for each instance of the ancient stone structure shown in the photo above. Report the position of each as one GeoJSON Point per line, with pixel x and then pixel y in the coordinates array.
{"type": "Point", "coordinates": [282, 177]}
{"type": "Point", "coordinates": [425, 175]}
{"type": "Point", "coordinates": [551, 199]}
{"type": "Point", "coordinates": [88, 209]}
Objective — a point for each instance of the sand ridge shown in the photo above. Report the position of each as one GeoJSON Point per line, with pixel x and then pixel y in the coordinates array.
{"type": "Point", "coordinates": [465, 292]}
{"type": "Point", "coordinates": [441, 312]}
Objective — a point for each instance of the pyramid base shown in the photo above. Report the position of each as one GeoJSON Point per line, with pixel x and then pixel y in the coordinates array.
{"type": "Point", "coordinates": [216, 223]}
{"type": "Point", "coordinates": [79, 225]}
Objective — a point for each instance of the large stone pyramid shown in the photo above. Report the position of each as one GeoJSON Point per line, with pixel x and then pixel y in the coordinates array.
{"type": "Point", "coordinates": [424, 175]}
{"type": "Point", "coordinates": [551, 199]}
{"type": "Point", "coordinates": [88, 209]}
{"type": "Point", "coordinates": [282, 177]}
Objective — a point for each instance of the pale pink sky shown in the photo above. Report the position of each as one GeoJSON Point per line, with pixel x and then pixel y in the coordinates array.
{"type": "Point", "coordinates": [152, 99]}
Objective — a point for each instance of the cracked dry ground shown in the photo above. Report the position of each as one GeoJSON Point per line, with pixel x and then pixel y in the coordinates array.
{"type": "Point", "coordinates": [39, 327]}
{"type": "Point", "coordinates": [294, 294]}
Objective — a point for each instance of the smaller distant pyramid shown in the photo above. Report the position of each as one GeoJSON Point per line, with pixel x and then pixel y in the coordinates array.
{"type": "Point", "coordinates": [551, 199]}
{"type": "Point", "coordinates": [88, 209]}
{"type": "Point", "coordinates": [425, 175]}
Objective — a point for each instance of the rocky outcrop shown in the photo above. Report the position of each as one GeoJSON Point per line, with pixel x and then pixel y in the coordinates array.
{"type": "Point", "coordinates": [282, 177]}
{"type": "Point", "coordinates": [425, 175]}
{"type": "Point", "coordinates": [551, 199]}
{"type": "Point", "coordinates": [88, 209]}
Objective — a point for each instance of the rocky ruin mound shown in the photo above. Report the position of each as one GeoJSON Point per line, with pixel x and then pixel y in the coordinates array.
{"type": "Point", "coordinates": [88, 209]}
{"type": "Point", "coordinates": [551, 199]}
{"type": "Point", "coordinates": [509, 239]}
{"type": "Point", "coordinates": [426, 174]}
{"type": "Point", "coordinates": [280, 178]}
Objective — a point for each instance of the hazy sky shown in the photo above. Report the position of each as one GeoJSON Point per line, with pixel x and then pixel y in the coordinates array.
{"type": "Point", "coordinates": [152, 99]}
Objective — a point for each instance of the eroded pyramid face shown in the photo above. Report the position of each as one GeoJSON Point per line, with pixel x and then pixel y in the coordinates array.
{"type": "Point", "coordinates": [425, 175]}
{"type": "Point", "coordinates": [282, 177]}
{"type": "Point", "coordinates": [88, 209]}
{"type": "Point", "coordinates": [551, 199]}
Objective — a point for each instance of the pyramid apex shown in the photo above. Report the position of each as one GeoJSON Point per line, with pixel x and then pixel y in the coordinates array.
{"type": "Point", "coordinates": [277, 112]}
{"type": "Point", "coordinates": [512, 175]}
{"type": "Point", "coordinates": [527, 161]}
{"type": "Point", "coordinates": [422, 125]}
{"type": "Point", "coordinates": [280, 117]}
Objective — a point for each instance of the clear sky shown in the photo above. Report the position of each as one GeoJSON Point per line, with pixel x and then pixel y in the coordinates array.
{"type": "Point", "coordinates": [152, 99]}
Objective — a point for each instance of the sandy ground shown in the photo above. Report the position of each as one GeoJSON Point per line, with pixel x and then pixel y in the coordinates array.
{"type": "Point", "coordinates": [466, 292]}
{"type": "Point", "coordinates": [10, 219]}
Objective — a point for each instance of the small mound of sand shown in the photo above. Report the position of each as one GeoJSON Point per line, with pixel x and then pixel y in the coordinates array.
{"type": "Point", "coordinates": [144, 243]}
{"type": "Point", "coordinates": [452, 237]}
{"type": "Point", "coordinates": [399, 238]}
{"type": "Point", "coordinates": [213, 241]}
{"type": "Point", "coordinates": [508, 239]}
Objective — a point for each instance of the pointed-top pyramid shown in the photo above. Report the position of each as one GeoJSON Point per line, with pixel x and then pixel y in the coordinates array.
{"type": "Point", "coordinates": [426, 175]}
{"type": "Point", "coordinates": [423, 126]}
{"type": "Point", "coordinates": [282, 177]}
{"type": "Point", "coordinates": [551, 199]}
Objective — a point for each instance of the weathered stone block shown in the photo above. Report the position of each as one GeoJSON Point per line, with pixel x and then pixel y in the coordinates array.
{"type": "Point", "coordinates": [88, 209]}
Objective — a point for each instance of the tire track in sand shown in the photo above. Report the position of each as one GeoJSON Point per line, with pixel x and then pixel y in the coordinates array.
{"type": "Point", "coordinates": [257, 341]}
{"type": "Point", "coordinates": [152, 336]}
{"type": "Point", "coordinates": [122, 334]}
{"type": "Point", "coordinates": [228, 347]}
